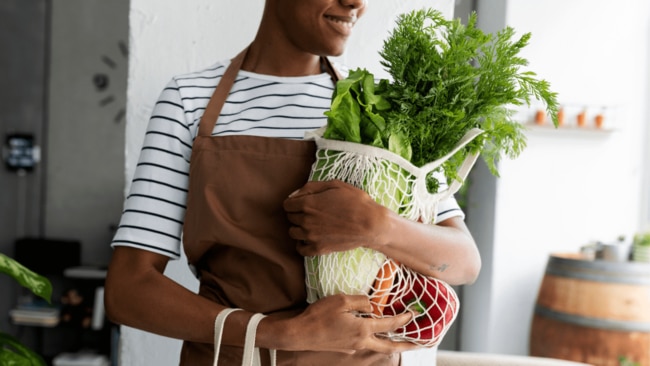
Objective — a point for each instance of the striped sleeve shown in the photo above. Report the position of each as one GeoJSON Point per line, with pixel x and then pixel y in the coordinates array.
{"type": "Point", "coordinates": [155, 206]}
{"type": "Point", "coordinates": [449, 207]}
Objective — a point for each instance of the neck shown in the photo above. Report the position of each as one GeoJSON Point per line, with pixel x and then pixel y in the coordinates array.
{"type": "Point", "coordinates": [271, 57]}
{"type": "Point", "coordinates": [270, 60]}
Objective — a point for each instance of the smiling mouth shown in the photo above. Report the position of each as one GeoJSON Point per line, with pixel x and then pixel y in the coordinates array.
{"type": "Point", "coordinates": [346, 22]}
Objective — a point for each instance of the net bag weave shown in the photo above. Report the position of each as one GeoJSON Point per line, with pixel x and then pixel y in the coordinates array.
{"type": "Point", "coordinates": [391, 287]}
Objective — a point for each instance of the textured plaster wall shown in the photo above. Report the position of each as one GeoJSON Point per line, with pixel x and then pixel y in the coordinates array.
{"type": "Point", "coordinates": [86, 124]}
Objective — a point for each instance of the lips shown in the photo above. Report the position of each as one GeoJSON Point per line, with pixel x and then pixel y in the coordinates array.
{"type": "Point", "coordinates": [342, 24]}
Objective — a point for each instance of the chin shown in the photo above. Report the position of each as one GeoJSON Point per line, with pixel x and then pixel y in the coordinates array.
{"type": "Point", "coordinates": [334, 50]}
{"type": "Point", "coordinates": [335, 53]}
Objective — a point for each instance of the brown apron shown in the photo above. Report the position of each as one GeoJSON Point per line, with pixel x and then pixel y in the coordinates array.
{"type": "Point", "coordinates": [237, 235]}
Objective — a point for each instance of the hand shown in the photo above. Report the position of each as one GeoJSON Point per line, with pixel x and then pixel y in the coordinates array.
{"type": "Point", "coordinates": [334, 324]}
{"type": "Point", "coordinates": [333, 216]}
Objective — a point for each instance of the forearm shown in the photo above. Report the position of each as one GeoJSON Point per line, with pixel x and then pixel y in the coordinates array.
{"type": "Point", "coordinates": [445, 251]}
{"type": "Point", "coordinates": [162, 307]}
{"type": "Point", "coordinates": [187, 316]}
{"type": "Point", "coordinates": [332, 216]}
{"type": "Point", "coordinates": [139, 295]}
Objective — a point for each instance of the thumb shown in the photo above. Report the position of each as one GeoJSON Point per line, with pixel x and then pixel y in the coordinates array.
{"type": "Point", "coordinates": [391, 323]}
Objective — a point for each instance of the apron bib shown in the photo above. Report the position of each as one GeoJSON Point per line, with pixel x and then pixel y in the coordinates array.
{"type": "Point", "coordinates": [236, 232]}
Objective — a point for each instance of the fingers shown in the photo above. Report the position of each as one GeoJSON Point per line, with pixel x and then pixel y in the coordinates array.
{"type": "Point", "coordinates": [360, 304]}
{"type": "Point", "coordinates": [338, 323]}
{"type": "Point", "coordinates": [391, 323]}
{"type": "Point", "coordinates": [306, 250]}
{"type": "Point", "coordinates": [295, 201]}
{"type": "Point", "coordinates": [315, 187]}
{"type": "Point", "coordinates": [353, 303]}
{"type": "Point", "coordinates": [329, 213]}
{"type": "Point", "coordinates": [381, 343]}
{"type": "Point", "coordinates": [387, 346]}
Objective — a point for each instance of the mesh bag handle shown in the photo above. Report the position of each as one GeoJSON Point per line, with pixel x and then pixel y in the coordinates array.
{"type": "Point", "coordinates": [358, 163]}
{"type": "Point", "coordinates": [251, 356]}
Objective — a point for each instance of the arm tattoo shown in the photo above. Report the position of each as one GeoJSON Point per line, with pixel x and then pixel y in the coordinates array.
{"type": "Point", "coordinates": [441, 268]}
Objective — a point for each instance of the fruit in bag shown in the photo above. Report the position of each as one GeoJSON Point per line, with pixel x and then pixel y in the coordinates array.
{"type": "Point", "coordinates": [433, 303]}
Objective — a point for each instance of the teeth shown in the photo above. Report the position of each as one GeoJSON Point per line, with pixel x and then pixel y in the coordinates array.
{"type": "Point", "coordinates": [347, 23]}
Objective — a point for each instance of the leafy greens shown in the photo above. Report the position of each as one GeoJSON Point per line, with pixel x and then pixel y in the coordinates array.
{"type": "Point", "coordinates": [447, 78]}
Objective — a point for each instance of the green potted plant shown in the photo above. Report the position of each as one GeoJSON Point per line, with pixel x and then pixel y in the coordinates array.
{"type": "Point", "coordinates": [624, 361]}
{"type": "Point", "coordinates": [641, 249]}
{"type": "Point", "coordinates": [12, 351]}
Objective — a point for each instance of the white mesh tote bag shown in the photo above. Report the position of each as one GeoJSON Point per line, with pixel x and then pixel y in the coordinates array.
{"type": "Point", "coordinates": [391, 287]}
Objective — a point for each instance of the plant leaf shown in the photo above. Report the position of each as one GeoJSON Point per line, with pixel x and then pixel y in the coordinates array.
{"type": "Point", "coordinates": [13, 353]}
{"type": "Point", "coordinates": [397, 144]}
{"type": "Point", "coordinates": [39, 285]}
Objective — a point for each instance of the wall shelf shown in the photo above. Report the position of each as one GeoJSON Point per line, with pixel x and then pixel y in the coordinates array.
{"type": "Point", "coordinates": [584, 119]}
{"type": "Point", "coordinates": [548, 127]}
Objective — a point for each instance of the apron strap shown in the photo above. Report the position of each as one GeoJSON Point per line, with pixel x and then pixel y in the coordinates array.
{"type": "Point", "coordinates": [334, 73]}
{"type": "Point", "coordinates": [213, 109]}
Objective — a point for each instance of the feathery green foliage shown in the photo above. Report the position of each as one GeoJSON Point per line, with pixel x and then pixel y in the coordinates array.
{"type": "Point", "coordinates": [447, 78]}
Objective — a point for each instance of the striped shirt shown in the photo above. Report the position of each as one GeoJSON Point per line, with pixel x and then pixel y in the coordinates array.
{"type": "Point", "coordinates": [259, 105]}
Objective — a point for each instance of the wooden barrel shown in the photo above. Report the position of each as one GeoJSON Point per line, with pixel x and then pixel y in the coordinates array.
{"type": "Point", "coordinates": [593, 311]}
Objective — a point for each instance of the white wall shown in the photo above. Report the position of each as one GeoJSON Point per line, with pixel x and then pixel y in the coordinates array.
{"type": "Point", "coordinates": [570, 186]}
{"type": "Point", "coordinates": [85, 137]}
{"type": "Point", "coordinates": [169, 37]}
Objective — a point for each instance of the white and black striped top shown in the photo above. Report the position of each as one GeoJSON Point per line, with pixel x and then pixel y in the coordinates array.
{"type": "Point", "coordinates": [260, 105]}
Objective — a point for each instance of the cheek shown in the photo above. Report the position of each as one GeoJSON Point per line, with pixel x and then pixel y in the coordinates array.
{"type": "Point", "coordinates": [297, 24]}
{"type": "Point", "coordinates": [308, 31]}
{"type": "Point", "coordinates": [314, 38]}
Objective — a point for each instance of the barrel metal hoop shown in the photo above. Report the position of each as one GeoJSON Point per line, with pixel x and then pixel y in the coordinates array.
{"type": "Point", "coordinates": [599, 272]}
{"type": "Point", "coordinates": [620, 325]}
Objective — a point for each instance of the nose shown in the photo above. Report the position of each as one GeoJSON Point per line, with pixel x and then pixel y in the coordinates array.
{"type": "Point", "coordinates": [354, 4]}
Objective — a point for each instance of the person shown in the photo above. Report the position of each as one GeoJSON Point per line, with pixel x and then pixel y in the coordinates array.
{"type": "Point", "coordinates": [225, 166]}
